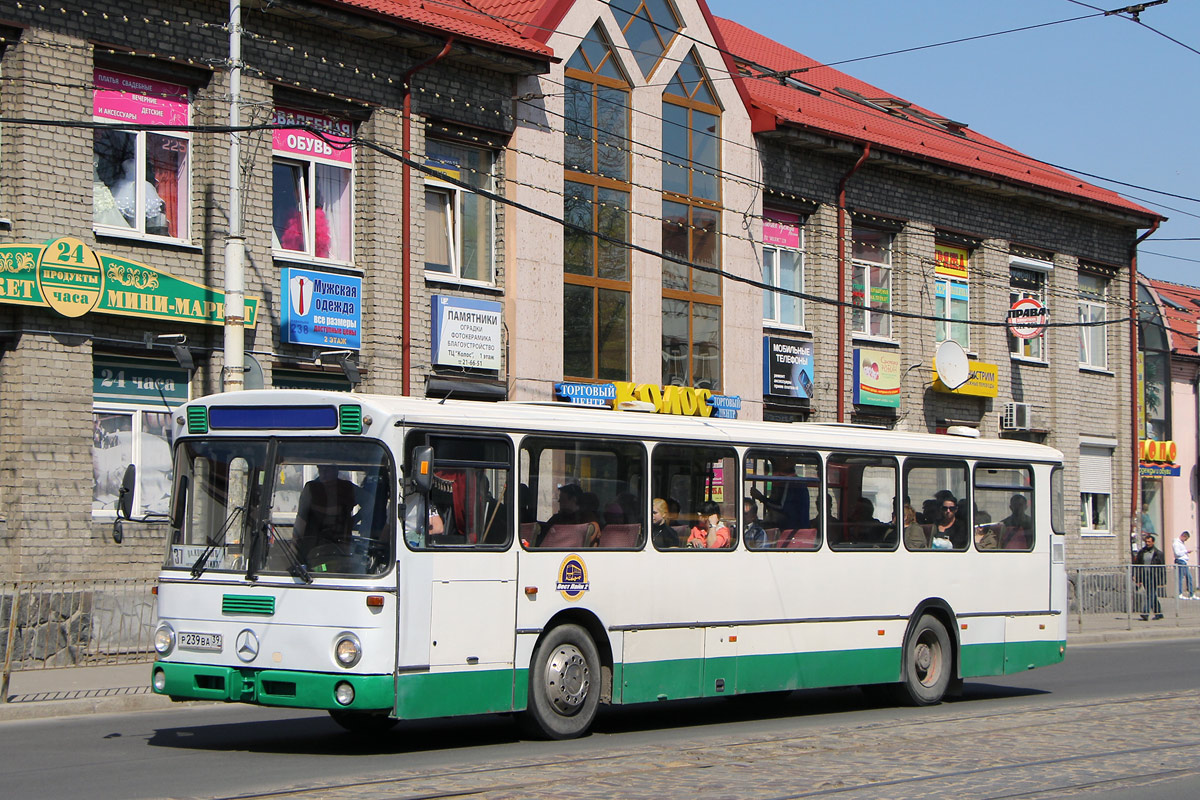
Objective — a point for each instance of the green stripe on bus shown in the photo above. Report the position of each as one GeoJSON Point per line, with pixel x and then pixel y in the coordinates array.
{"type": "Point", "coordinates": [441, 694]}
{"type": "Point", "coordinates": [981, 660]}
{"type": "Point", "coordinates": [274, 687]}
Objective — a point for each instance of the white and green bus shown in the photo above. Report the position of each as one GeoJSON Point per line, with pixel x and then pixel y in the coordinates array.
{"type": "Point", "coordinates": [389, 558]}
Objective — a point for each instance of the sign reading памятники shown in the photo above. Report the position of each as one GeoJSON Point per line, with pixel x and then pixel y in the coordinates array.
{"type": "Point", "coordinates": [466, 332]}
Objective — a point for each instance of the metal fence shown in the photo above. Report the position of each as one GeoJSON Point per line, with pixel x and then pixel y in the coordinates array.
{"type": "Point", "coordinates": [48, 624]}
{"type": "Point", "coordinates": [1119, 597]}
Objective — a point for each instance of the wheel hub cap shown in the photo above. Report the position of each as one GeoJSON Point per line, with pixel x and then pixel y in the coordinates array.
{"type": "Point", "coordinates": [567, 679]}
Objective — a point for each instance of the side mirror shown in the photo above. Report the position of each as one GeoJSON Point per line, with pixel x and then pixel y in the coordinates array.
{"type": "Point", "coordinates": [179, 502]}
{"type": "Point", "coordinates": [422, 468]}
{"type": "Point", "coordinates": [125, 498]}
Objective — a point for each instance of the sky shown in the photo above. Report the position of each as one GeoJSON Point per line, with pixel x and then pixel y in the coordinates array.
{"type": "Point", "coordinates": [1101, 95]}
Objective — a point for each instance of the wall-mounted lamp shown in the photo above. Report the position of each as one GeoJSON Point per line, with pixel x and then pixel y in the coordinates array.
{"type": "Point", "coordinates": [342, 359]}
{"type": "Point", "coordinates": [183, 356]}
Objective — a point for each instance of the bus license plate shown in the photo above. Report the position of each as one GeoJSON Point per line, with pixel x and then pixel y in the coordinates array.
{"type": "Point", "coordinates": [200, 641]}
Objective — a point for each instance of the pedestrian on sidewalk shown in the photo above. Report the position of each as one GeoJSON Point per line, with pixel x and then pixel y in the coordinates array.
{"type": "Point", "coordinates": [1148, 569]}
{"type": "Point", "coordinates": [1183, 573]}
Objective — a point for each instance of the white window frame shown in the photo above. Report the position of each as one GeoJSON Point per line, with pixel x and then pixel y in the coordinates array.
{"type": "Point", "coordinates": [308, 218]}
{"type": "Point", "coordinates": [1095, 482]}
{"type": "Point", "coordinates": [453, 195]}
{"type": "Point", "coordinates": [865, 308]}
{"type": "Point", "coordinates": [184, 219]}
{"type": "Point", "coordinates": [1023, 349]}
{"type": "Point", "coordinates": [1093, 307]}
{"type": "Point", "coordinates": [137, 455]}
{"type": "Point", "coordinates": [772, 301]}
{"type": "Point", "coordinates": [945, 325]}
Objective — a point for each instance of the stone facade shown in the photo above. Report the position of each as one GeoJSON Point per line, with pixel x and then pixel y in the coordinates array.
{"type": "Point", "coordinates": [314, 58]}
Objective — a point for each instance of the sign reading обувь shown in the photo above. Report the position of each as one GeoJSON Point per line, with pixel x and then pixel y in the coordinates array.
{"type": "Point", "coordinates": [71, 278]}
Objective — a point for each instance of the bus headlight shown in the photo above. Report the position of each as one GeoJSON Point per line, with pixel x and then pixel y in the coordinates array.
{"type": "Point", "coordinates": [347, 650]}
{"type": "Point", "coordinates": [164, 639]}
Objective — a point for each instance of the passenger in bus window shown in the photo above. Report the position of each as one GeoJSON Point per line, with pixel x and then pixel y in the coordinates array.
{"type": "Point", "coordinates": [326, 510]}
{"type": "Point", "coordinates": [787, 506]}
{"type": "Point", "coordinates": [661, 533]}
{"type": "Point", "coordinates": [950, 533]}
{"type": "Point", "coordinates": [589, 512]}
{"type": "Point", "coordinates": [710, 532]}
{"type": "Point", "coordinates": [1017, 526]}
{"type": "Point", "coordinates": [755, 536]}
{"type": "Point", "coordinates": [916, 537]}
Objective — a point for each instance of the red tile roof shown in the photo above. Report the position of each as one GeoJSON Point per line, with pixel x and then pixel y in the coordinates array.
{"type": "Point", "coordinates": [900, 130]}
{"type": "Point", "coordinates": [458, 17]}
{"type": "Point", "coordinates": [1181, 312]}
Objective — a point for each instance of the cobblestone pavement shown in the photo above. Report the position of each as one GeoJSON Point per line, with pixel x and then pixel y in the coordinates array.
{"type": "Point", "coordinates": [1028, 750]}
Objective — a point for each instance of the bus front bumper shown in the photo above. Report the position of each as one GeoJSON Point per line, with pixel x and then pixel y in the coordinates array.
{"type": "Point", "coordinates": [272, 687]}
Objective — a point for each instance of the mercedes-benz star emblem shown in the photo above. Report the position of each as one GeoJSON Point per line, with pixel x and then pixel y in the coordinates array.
{"type": "Point", "coordinates": [246, 646]}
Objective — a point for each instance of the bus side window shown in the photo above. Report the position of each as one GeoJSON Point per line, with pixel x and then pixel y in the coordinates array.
{"type": "Point", "coordinates": [937, 505]}
{"type": "Point", "coordinates": [866, 486]}
{"type": "Point", "coordinates": [1004, 493]}
{"type": "Point", "coordinates": [470, 505]}
{"type": "Point", "coordinates": [701, 481]}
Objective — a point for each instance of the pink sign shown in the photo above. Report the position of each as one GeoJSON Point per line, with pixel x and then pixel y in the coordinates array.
{"type": "Point", "coordinates": [330, 147]}
{"type": "Point", "coordinates": [141, 101]}
{"type": "Point", "coordinates": [781, 229]}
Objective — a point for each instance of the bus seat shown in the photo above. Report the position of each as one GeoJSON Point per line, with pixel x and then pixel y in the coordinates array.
{"type": "Point", "coordinates": [565, 536]}
{"type": "Point", "coordinates": [1016, 541]}
{"type": "Point", "coordinates": [528, 532]}
{"type": "Point", "coordinates": [771, 537]}
{"type": "Point", "coordinates": [784, 537]}
{"type": "Point", "coordinates": [803, 539]}
{"type": "Point", "coordinates": [682, 532]}
{"type": "Point", "coordinates": [620, 535]}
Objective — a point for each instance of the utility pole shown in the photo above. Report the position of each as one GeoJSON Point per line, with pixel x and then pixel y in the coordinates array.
{"type": "Point", "coordinates": [235, 242]}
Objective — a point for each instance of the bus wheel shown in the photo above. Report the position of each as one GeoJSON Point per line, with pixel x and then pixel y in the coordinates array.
{"type": "Point", "coordinates": [363, 721]}
{"type": "Point", "coordinates": [564, 684]}
{"type": "Point", "coordinates": [927, 663]}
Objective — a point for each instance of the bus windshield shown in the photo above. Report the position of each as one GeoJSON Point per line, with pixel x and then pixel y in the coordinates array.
{"type": "Point", "coordinates": [280, 507]}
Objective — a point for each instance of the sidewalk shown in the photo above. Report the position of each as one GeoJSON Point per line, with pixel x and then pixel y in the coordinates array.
{"type": "Point", "coordinates": [71, 691]}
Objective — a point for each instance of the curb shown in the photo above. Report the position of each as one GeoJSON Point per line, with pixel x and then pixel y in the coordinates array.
{"type": "Point", "coordinates": [46, 705]}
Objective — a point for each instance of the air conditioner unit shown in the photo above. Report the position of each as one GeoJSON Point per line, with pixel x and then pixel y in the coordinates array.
{"type": "Point", "coordinates": [1016, 417]}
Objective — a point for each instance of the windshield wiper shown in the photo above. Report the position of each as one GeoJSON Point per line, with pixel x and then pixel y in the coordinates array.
{"type": "Point", "coordinates": [297, 569]}
{"type": "Point", "coordinates": [202, 561]}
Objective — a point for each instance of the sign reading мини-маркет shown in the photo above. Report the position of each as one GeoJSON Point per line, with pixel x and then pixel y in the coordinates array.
{"type": "Point", "coordinates": [71, 278]}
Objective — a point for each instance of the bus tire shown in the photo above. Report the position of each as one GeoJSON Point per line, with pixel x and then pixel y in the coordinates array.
{"type": "Point", "coordinates": [564, 684]}
{"type": "Point", "coordinates": [363, 722]}
{"type": "Point", "coordinates": [927, 663]}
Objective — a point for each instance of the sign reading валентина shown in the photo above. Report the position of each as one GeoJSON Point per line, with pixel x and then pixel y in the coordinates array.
{"type": "Point", "coordinates": [71, 278]}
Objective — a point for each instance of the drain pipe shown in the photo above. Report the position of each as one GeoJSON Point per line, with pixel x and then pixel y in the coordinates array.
{"type": "Point", "coordinates": [1135, 516]}
{"type": "Point", "coordinates": [841, 263]}
{"type": "Point", "coordinates": [406, 223]}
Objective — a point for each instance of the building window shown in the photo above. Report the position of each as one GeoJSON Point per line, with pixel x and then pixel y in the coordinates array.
{"type": "Point", "coordinates": [133, 406]}
{"type": "Point", "coordinates": [313, 203]}
{"type": "Point", "coordinates": [871, 285]}
{"type": "Point", "coordinates": [783, 268]}
{"type": "Point", "coordinates": [460, 224]}
{"type": "Point", "coordinates": [649, 27]}
{"type": "Point", "coordinates": [596, 272]}
{"type": "Point", "coordinates": [691, 230]}
{"type": "Point", "coordinates": [1095, 489]}
{"type": "Point", "coordinates": [141, 184]}
{"type": "Point", "coordinates": [1027, 278]}
{"type": "Point", "coordinates": [952, 294]}
{"type": "Point", "coordinates": [1093, 333]}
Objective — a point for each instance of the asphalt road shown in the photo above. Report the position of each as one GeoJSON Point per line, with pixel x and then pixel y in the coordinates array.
{"type": "Point", "coordinates": [1114, 721]}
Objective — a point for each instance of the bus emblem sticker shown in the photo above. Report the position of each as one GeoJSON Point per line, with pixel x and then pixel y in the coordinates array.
{"type": "Point", "coordinates": [572, 578]}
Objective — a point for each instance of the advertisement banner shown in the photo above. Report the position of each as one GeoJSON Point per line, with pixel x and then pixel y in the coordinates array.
{"type": "Point", "coordinates": [321, 309]}
{"type": "Point", "coordinates": [71, 278]}
{"type": "Point", "coordinates": [951, 261]}
{"type": "Point", "coordinates": [787, 368]}
{"type": "Point", "coordinates": [128, 98]}
{"type": "Point", "coordinates": [331, 146]}
{"type": "Point", "coordinates": [466, 332]}
{"type": "Point", "coordinates": [781, 229]}
{"type": "Point", "coordinates": [984, 381]}
{"type": "Point", "coordinates": [876, 377]}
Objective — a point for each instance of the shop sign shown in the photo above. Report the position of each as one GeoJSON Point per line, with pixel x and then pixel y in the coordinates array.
{"type": "Point", "coordinates": [781, 229]}
{"type": "Point", "coordinates": [466, 332]}
{"type": "Point", "coordinates": [332, 145]}
{"type": "Point", "coordinates": [140, 101]}
{"type": "Point", "coordinates": [984, 381]}
{"type": "Point", "coordinates": [951, 261]}
{"type": "Point", "coordinates": [1156, 451]}
{"type": "Point", "coordinates": [139, 380]}
{"type": "Point", "coordinates": [321, 309]}
{"type": "Point", "coordinates": [677, 400]}
{"type": "Point", "coordinates": [876, 377]}
{"type": "Point", "coordinates": [787, 368]}
{"type": "Point", "coordinates": [73, 279]}
{"type": "Point", "coordinates": [1158, 470]}
{"type": "Point", "coordinates": [1027, 318]}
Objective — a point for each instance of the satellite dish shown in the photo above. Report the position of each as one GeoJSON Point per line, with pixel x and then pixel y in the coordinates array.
{"type": "Point", "coordinates": [951, 364]}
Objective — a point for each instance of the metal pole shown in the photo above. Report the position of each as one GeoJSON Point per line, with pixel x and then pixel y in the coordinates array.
{"type": "Point", "coordinates": [235, 242]}
{"type": "Point", "coordinates": [8, 647]}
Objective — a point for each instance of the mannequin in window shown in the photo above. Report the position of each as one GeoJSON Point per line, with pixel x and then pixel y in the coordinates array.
{"type": "Point", "coordinates": [104, 206]}
{"type": "Point", "coordinates": [293, 233]}
{"type": "Point", "coordinates": [124, 192]}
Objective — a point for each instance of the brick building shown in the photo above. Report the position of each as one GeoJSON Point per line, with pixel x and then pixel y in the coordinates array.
{"type": "Point", "coordinates": [121, 318]}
